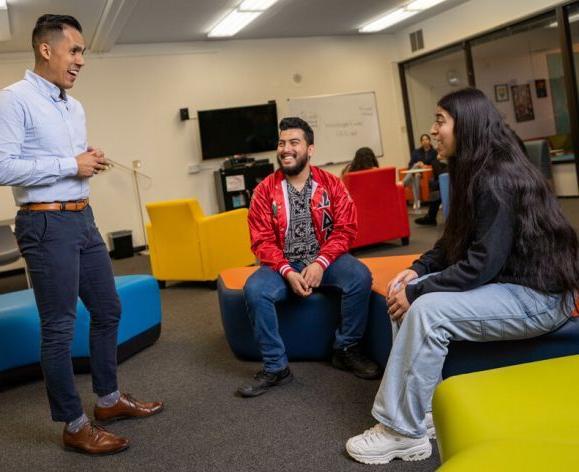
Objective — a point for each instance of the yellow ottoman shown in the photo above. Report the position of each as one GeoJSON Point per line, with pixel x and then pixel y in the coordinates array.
{"type": "Point", "coordinates": [522, 417]}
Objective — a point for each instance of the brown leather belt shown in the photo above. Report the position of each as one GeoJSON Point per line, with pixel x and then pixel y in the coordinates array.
{"type": "Point", "coordinates": [76, 205]}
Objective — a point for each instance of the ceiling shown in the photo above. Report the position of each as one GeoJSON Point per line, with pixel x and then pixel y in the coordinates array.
{"type": "Point", "coordinates": [110, 22]}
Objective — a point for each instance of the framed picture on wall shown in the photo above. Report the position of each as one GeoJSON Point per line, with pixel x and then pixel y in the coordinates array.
{"type": "Point", "coordinates": [522, 102]}
{"type": "Point", "coordinates": [501, 93]}
{"type": "Point", "coordinates": [541, 88]}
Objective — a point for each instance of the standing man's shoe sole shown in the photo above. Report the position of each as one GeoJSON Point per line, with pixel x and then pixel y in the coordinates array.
{"type": "Point", "coordinates": [79, 450]}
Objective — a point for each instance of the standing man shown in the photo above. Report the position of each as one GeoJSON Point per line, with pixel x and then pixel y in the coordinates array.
{"type": "Point", "coordinates": [45, 157]}
{"type": "Point", "coordinates": [302, 222]}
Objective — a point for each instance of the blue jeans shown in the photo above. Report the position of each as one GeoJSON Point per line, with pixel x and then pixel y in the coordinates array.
{"type": "Point", "coordinates": [493, 312]}
{"type": "Point", "coordinates": [67, 258]}
{"type": "Point", "coordinates": [265, 287]}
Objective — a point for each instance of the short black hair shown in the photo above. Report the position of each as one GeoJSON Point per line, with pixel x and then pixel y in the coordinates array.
{"type": "Point", "coordinates": [293, 122]}
{"type": "Point", "coordinates": [49, 24]}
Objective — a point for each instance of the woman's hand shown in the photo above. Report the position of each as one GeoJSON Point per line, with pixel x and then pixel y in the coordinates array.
{"type": "Point", "coordinates": [398, 304]}
{"type": "Point", "coordinates": [400, 280]}
{"type": "Point", "coordinates": [396, 294]}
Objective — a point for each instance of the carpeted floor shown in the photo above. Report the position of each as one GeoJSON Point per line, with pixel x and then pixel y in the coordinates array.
{"type": "Point", "coordinates": [205, 427]}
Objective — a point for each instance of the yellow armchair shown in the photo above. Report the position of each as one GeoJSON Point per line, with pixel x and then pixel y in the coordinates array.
{"type": "Point", "coordinates": [184, 244]}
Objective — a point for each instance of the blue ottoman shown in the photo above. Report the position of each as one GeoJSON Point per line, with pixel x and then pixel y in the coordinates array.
{"type": "Point", "coordinates": [464, 356]}
{"type": "Point", "coordinates": [306, 325]}
{"type": "Point", "coordinates": [140, 327]}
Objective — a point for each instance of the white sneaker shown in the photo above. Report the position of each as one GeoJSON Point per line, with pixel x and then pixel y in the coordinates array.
{"type": "Point", "coordinates": [379, 445]}
{"type": "Point", "coordinates": [430, 431]}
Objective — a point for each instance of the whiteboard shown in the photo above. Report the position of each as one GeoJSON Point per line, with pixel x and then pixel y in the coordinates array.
{"type": "Point", "coordinates": [342, 124]}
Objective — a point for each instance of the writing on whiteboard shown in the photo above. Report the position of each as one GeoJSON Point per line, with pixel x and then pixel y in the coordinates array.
{"type": "Point", "coordinates": [341, 123]}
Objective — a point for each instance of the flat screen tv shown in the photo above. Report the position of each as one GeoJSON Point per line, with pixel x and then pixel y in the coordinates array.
{"type": "Point", "coordinates": [242, 130]}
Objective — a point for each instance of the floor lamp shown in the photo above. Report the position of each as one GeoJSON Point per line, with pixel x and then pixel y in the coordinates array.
{"type": "Point", "coordinates": [135, 174]}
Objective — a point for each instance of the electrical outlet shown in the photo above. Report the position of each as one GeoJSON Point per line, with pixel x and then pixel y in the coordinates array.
{"type": "Point", "coordinates": [193, 168]}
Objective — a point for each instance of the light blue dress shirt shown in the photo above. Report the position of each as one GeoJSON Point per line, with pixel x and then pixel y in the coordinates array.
{"type": "Point", "coordinates": [40, 135]}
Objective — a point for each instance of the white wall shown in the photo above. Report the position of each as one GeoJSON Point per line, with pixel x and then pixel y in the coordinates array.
{"type": "Point", "coordinates": [133, 94]}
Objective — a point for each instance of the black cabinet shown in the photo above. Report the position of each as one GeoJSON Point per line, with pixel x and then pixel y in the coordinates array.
{"type": "Point", "coordinates": [235, 186]}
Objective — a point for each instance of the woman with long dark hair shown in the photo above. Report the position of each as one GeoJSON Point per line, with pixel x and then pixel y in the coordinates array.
{"type": "Point", "coordinates": [364, 159]}
{"type": "Point", "coordinates": [505, 268]}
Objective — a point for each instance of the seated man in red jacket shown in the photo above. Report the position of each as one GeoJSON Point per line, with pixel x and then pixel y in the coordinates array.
{"type": "Point", "coordinates": [302, 222]}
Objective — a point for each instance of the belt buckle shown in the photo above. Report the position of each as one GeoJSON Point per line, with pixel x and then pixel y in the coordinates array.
{"type": "Point", "coordinates": [62, 206]}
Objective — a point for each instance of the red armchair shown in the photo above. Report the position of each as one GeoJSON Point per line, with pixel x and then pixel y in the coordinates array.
{"type": "Point", "coordinates": [382, 211]}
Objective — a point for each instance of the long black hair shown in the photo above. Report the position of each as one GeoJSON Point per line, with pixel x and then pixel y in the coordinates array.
{"type": "Point", "coordinates": [363, 159]}
{"type": "Point", "coordinates": [489, 157]}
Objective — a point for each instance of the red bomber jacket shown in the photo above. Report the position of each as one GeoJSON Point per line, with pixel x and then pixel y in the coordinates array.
{"type": "Point", "coordinates": [333, 214]}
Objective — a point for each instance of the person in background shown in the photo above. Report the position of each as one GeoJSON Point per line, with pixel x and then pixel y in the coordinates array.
{"type": "Point", "coordinates": [439, 166]}
{"type": "Point", "coordinates": [363, 159]}
{"type": "Point", "coordinates": [505, 268]}
{"type": "Point", "coordinates": [424, 155]}
{"type": "Point", "coordinates": [45, 158]}
{"type": "Point", "coordinates": [302, 222]}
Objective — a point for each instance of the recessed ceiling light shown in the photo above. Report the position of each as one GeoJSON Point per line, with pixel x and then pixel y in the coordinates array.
{"type": "Point", "coordinates": [232, 23]}
{"type": "Point", "coordinates": [387, 20]}
{"type": "Point", "coordinates": [396, 16]}
{"type": "Point", "coordinates": [256, 5]}
{"type": "Point", "coordinates": [422, 4]}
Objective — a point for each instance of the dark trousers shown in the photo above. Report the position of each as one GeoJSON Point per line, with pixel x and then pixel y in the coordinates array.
{"type": "Point", "coordinates": [67, 258]}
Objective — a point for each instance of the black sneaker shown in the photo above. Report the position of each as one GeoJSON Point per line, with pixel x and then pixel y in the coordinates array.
{"type": "Point", "coordinates": [264, 381]}
{"type": "Point", "coordinates": [352, 359]}
{"type": "Point", "coordinates": [426, 221]}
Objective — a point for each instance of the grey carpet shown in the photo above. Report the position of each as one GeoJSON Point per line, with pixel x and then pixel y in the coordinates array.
{"type": "Point", "coordinates": [205, 427]}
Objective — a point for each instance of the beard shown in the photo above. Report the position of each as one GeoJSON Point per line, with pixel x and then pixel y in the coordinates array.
{"type": "Point", "coordinates": [301, 162]}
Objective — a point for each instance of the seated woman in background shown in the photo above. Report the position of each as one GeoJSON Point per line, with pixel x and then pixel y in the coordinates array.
{"type": "Point", "coordinates": [363, 159]}
{"type": "Point", "coordinates": [439, 166]}
{"type": "Point", "coordinates": [424, 155]}
{"type": "Point", "coordinates": [505, 268]}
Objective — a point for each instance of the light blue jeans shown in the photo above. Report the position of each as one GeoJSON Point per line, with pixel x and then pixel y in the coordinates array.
{"type": "Point", "coordinates": [493, 312]}
{"type": "Point", "coordinates": [413, 179]}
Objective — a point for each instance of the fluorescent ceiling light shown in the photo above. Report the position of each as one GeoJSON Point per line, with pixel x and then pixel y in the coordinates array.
{"type": "Point", "coordinates": [5, 33]}
{"type": "Point", "coordinates": [232, 23]}
{"type": "Point", "coordinates": [398, 15]}
{"type": "Point", "coordinates": [256, 5]}
{"type": "Point", "coordinates": [422, 4]}
{"type": "Point", "coordinates": [387, 20]}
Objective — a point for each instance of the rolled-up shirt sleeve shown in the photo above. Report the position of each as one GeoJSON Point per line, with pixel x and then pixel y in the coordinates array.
{"type": "Point", "coordinates": [485, 257]}
{"type": "Point", "coordinates": [25, 172]}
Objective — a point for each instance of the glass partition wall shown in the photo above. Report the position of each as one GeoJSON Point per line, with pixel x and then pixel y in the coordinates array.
{"type": "Point", "coordinates": [526, 69]}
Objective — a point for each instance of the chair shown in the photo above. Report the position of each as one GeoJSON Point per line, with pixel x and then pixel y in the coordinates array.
{"type": "Point", "coordinates": [538, 152]}
{"type": "Point", "coordinates": [184, 244]}
{"type": "Point", "coordinates": [517, 418]}
{"type": "Point", "coordinates": [9, 251]}
{"type": "Point", "coordinates": [382, 212]}
{"type": "Point", "coordinates": [444, 185]}
{"type": "Point", "coordinates": [424, 185]}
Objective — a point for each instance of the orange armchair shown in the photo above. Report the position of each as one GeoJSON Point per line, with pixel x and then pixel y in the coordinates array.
{"type": "Point", "coordinates": [379, 200]}
{"type": "Point", "coordinates": [424, 185]}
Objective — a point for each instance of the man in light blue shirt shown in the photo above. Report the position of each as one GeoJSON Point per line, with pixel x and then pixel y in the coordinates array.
{"type": "Point", "coordinates": [45, 158]}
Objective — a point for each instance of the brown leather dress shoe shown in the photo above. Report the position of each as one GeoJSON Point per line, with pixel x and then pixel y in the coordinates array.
{"type": "Point", "coordinates": [94, 440]}
{"type": "Point", "coordinates": [127, 407]}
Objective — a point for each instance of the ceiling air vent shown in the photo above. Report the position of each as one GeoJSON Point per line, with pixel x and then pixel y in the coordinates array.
{"type": "Point", "coordinates": [416, 40]}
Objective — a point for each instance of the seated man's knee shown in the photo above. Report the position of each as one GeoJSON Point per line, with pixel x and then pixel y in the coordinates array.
{"type": "Point", "coordinates": [260, 285]}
